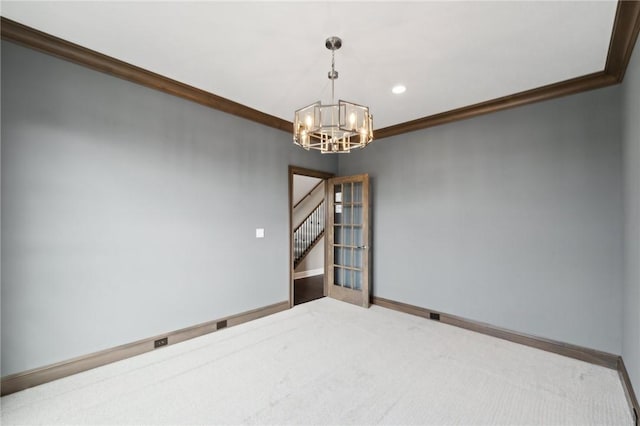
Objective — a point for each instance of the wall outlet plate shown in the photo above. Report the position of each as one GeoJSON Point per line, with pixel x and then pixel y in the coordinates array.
{"type": "Point", "coordinates": [259, 232]}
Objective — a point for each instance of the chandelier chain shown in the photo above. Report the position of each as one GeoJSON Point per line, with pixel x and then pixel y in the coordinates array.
{"type": "Point", "coordinates": [333, 75]}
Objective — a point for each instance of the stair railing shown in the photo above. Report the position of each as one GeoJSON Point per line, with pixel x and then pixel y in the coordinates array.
{"type": "Point", "coordinates": [307, 234]}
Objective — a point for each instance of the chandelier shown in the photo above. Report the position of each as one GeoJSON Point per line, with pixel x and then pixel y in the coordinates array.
{"type": "Point", "coordinates": [335, 128]}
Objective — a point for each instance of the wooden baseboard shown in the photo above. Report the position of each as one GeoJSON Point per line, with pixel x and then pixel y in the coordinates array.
{"type": "Point", "coordinates": [628, 391]}
{"type": "Point", "coordinates": [573, 351]}
{"type": "Point", "coordinates": [20, 381]}
{"type": "Point", "coordinates": [309, 273]}
{"type": "Point", "coordinates": [593, 356]}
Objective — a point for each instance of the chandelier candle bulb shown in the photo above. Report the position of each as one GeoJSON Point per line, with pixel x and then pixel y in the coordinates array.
{"type": "Point", "coordinates": [352, 120]}
{"type": "Point", "coordinates": [330, 128]}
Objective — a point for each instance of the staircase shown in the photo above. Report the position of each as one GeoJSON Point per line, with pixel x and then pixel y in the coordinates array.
{"type": "Point", "coordinates": [308, 233]}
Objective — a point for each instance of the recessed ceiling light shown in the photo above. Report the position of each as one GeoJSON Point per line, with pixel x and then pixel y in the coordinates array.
{"type": "Point", "coordinates": [398, 89]}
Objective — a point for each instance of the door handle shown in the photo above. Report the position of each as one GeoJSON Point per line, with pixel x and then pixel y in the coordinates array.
{"type": "Point", "coordinates": [362, 247]}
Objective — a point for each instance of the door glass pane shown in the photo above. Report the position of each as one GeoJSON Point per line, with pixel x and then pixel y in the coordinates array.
{"type": "Point", "coordinates": [357, 258]}
{"type": "Point", "coordinates": [348, 281]}
{"type": "Point", "coordinates": [346, 187]}
{"type": "Point", "coordinates": [357, 236]}
{"type": "Point", "coordinates": [337, 193]}
{"type": "Point", "coordinates": [348, 255]}
{"type": "Point", "coordinates": [337, 208]}
{"type": "Point", "coordinates": [338, 276]}
{"type": "Point", "coordinates": [357, 215]}
{"type": "Point", "coordinates": [357, 280]}
{"type": "Point", "coordinates": [338, 235]}
{"type": "Point", "coordinates": [337, 214]}
{"type": "Point", "coordinates": [346, 214]}
{"type": "Point", "coordinates": [347, 231]}
{"type": "Point", "coordinates": [357, 192]}
{"type": "Point", "coordinates": [338, 258]}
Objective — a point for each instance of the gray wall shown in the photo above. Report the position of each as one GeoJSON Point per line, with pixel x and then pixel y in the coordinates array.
{"type": "Point", "coordinates": [631, 295]}
{"type": "Point", "coordinates": [128, 213]}
{"type": "Point", "coordinates": [514, 218]}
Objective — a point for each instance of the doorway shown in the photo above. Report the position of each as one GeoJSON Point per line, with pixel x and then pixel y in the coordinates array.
{"type": "Point", "coordinates": [307, 222]}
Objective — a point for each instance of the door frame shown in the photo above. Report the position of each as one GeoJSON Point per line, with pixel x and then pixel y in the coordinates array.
{"type": "Point", "coordinates": [295, 170]}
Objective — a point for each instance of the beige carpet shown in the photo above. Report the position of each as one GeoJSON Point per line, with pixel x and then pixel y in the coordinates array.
{"type": "Point", "coordinates": [326, 362]}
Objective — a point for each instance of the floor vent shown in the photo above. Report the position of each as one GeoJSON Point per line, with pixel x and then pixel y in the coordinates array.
{"type": "Point", "coordinates": [221, 324]}
{"type": "Point", "coordinates": [434, 316]}
{"type": "Point", "coordinates": [161, 342]}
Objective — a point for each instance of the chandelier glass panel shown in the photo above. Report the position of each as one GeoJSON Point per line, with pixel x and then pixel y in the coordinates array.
{"type": "Point", "coordinates": [336, 128]}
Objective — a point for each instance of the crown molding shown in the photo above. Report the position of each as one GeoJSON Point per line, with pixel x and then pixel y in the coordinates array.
{"type": "Point", "coordinates": [564, 88]}
{"type": "Point", "coordinates": [623, 38]}
{"type": "Point", "coordinates": [43, 42]}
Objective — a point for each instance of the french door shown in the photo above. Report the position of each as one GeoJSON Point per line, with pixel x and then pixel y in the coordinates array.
{"type": "Point", "coordinates": [347, 248]}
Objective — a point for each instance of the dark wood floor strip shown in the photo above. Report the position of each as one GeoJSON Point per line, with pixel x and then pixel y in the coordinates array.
{"type": "Point", "coordinates": [308, 289]}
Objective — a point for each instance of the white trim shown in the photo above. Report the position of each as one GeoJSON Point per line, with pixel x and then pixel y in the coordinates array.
{"type": "Point", "coordinates": [309, 273]}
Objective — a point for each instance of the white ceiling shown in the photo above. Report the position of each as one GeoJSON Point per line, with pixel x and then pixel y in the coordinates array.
{"type": "Point", "coordinates": [271, 56]}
